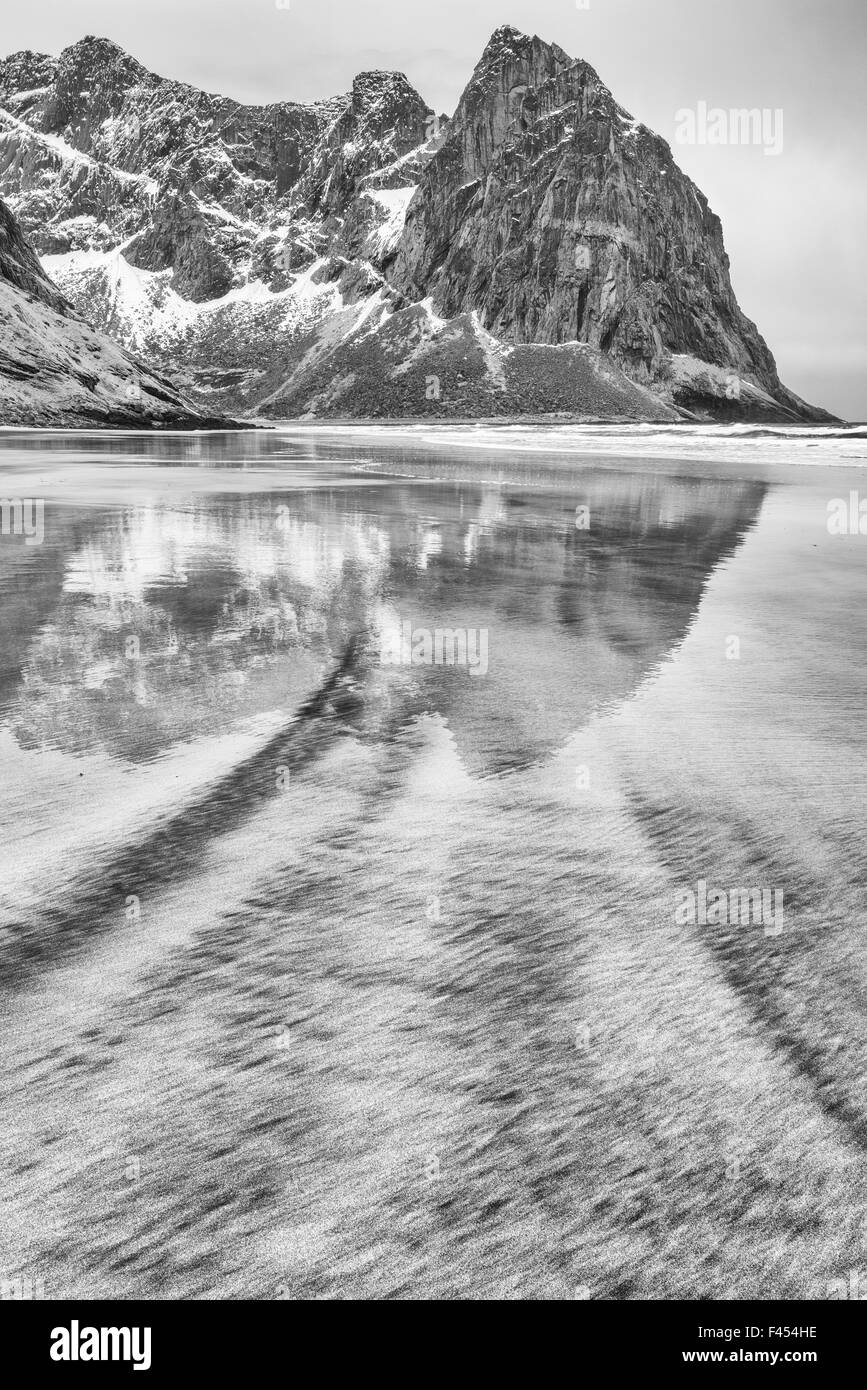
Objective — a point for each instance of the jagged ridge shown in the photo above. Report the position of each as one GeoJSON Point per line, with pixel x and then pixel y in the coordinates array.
{"type": "Point", "coordinates": [276, 257]}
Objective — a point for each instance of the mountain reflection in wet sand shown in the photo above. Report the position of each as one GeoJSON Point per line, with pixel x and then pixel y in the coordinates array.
{"type": "Point", "coordinates": [360, 980]}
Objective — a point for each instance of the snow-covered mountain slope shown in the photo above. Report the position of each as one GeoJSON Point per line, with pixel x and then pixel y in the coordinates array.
{"type": "Point", "coordinates": [540, 252]}
{"type": "Point", "coordinates": [56, 370]}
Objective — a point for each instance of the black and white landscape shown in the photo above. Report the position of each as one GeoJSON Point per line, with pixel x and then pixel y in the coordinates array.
{"type": "Point", "coordinates": [539, 252]}
{"type": "Point", "coordinates": [431, 693]}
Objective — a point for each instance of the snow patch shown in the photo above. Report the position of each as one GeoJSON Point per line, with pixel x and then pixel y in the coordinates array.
{"type": "Point", "coordinates": [493, 352]}
{"type": "Point", "coordinates": [392, 204]}
{"type": "Point", "coordinates": [142, 306]}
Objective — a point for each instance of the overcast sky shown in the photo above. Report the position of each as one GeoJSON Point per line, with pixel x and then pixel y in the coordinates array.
{"type": "Point", "coordinates": [794, 224]}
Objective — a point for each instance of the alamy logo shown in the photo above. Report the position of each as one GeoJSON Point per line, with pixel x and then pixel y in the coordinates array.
{"type": "Point", "coordinates": [847, 519]}
{"type": "Point", "coordinates": [22, 1287]}
{"type": "Point", "coordinates": [23, 516]}
{"type": "Point", "coordinates": [76, 1343]}
{"type": "Point", "coordinates": [740, 126]}
{"type": "Point", "coordinates": [855, 1287]}
{"type": "Point", "coordinates": [444, 646]}
{"type": "Point", "coordinates": [761, 907]}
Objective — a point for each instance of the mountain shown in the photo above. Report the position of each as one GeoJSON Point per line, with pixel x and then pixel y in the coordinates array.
{"type": "Point", "coordinates": [555, 216]}
{"type": "Point", "coordinates": [540, 252]}
{"type": "Point", "coordinates": [56, 370]}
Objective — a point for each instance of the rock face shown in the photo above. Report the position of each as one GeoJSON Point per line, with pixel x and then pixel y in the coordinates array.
{"type": "Point", "coordinates": [556, 216]}
{"type": "Point", "coordinates": [56, 370]}
{"type": "Point", "coordinates": [540, 252]}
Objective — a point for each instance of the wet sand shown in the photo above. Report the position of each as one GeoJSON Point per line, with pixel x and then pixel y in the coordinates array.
{"type": "Point", "coordinates": [323, 978]}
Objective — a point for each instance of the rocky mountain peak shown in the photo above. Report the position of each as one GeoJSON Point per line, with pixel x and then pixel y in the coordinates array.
{"type": "Point", "coordinates": [508, 47]}
{"type": "Point", "coordinates": [90, 83]}
{"type": "Point", "coordinates": [372, 86]}
{"type": "Point", "coordinates": [506, 38]}
{"type": "Point", "coordinates": [26, 71]}
{"type": "Point", "coordinates": [541, 237]}
{"type": "Point", "coordinates": [101, 61]}
{"type": "Point", "coordinates": [517, 80]}
{"type": "Point", "coordinates": [384, 119]}
{"type": "Point", "coordinates": [385, 107]}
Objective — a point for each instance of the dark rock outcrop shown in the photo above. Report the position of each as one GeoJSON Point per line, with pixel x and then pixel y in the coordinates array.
{"type": "Point", "coordinates": [557, 217]}
{"type": "Point", "coordinates": [179, 239]}
{"type": "Point", "coordinates": [56, 370]}
{"type": "Point", "coordinates": [19, 265]}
